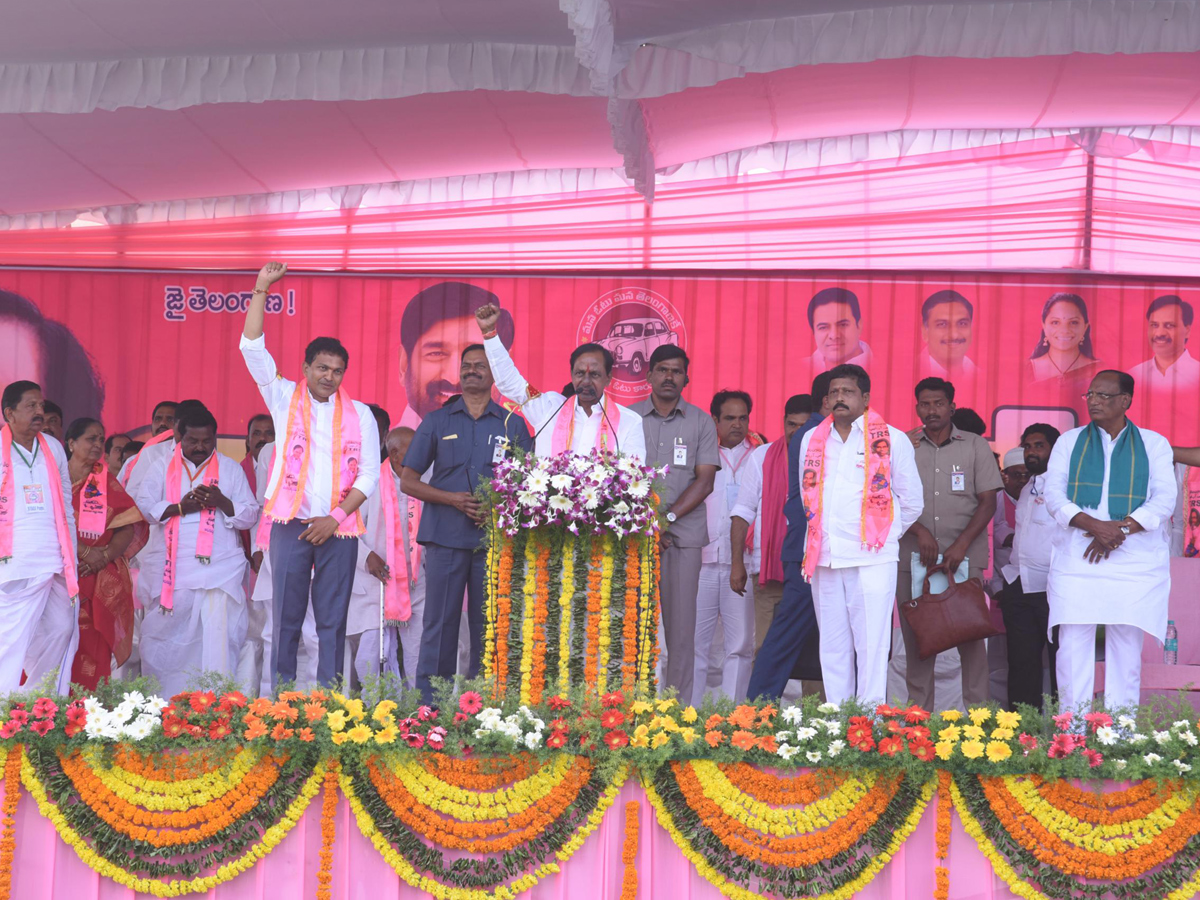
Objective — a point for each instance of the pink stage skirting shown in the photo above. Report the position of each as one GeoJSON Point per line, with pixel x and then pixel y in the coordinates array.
{"type": "Point", "coordinates": [45, 868]}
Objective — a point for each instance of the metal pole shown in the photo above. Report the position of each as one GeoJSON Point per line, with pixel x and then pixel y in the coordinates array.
{"type": "Point", "coordinates": [1088, 201]}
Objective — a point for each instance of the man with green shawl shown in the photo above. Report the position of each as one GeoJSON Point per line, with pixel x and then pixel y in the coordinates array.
{"type": "Point", "coordinates": [1111, 486]}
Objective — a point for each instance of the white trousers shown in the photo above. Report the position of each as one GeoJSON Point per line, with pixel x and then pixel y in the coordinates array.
{"type": "Point", "coordinates": [204, 633]}
{"type": "Point", "coordinates": [854, 613]}
{"type": "Point", "coordinates": [1076, 665]}
{"type": "Point", "coordinates": [716, 599]}
{"type": "Point", "coordinates": [39, 632]}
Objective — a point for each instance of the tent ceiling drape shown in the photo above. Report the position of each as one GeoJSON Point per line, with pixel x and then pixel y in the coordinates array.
{"type": "Point", "coordinates": [150, 111]}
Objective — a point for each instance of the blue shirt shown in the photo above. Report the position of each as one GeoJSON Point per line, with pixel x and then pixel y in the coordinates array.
{"type": "Point", "coordinates": [793, 509]}
{"type": "Point", "coordinates": [461, 450]}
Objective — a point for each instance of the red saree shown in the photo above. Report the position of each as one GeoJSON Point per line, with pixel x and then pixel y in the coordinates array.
{"type": "Point", "coordinates": [106, 597]}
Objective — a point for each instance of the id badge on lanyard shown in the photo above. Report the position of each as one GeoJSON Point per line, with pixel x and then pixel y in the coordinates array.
{"type": "Point", "coordinates": [680, 458]}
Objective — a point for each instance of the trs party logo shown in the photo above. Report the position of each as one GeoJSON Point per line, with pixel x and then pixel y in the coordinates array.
{"type": "Point", "coordinates": [631, 323]}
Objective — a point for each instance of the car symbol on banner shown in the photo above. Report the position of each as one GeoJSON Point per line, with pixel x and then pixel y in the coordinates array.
{"type": "Point", "coordinates": [632, 341]}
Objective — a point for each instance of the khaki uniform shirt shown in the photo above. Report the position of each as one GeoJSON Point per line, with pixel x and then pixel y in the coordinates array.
{"type": "Point", "coordinates": [689, 435]}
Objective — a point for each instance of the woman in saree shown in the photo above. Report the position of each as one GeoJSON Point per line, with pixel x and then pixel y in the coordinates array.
{"type": "Point", "coordinates": [111, 530]}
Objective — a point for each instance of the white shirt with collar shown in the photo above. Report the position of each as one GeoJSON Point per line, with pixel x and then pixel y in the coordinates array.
{"type": "Point", "coordinates": [318, 486]}
{"type": "Point", "coordinates": [1132, 585]}
{"type": "Point", "coordinates": [1034, 535]}
{"type": "Point", "coordinates": [861, 358]}
{"type": "Point", "coordinates": [540, 410]}
{"type": "Point", "coordinates": [36, 550]}
{"type": "Point", "coordinates": [738, 465]}
{"type": "Point", "coordinates": [749, 506]}
{"type": "Point", "coordinates": [1183, 374]}
{"type": "Point", "coordinates": [842, 497]}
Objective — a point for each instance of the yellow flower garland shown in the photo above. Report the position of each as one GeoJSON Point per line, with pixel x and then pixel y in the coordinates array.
{"type": "Point", "coordinates": [645, 670]}
{"type": "Point", "coordinates": [440, 891]}
{"type": "Point", "coordinates": [230, 870]}
{"type": "Point", "coordinates": [478, 806]}
{"type": "Point", "coordinates": [999, 864]}
{"type": "Point", "coordinates": [737, 892]}
{"type": "Point", "coordinates": [489, 634]}
{"type": "Point", "coordinates": [161, 796]}
{"type": "Point", "coordinates": [564, 612]}
{"type": "Point", "coordinates": [606, 579]}
{"type": "Point", "coordinates": [530, 590]}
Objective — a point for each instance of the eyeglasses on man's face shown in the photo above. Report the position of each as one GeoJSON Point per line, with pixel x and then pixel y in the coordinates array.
{"type": "Point", "coordinates": [1100, 395]}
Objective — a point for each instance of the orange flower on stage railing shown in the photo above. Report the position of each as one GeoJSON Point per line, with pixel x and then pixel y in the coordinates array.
{"type": "Point", "coordinates": [541, 612]}
{"type": "Point", "coordinates": [629, 635]}
{"type": "Point", "coordinates": [629, 849]}
{"type": "Point", "coordinates": [503, 613]}
{"type": "Point", "coordinates": [591, 652]}
{"type": "Point", "coordinates": [481, 773]}
{"type": "Point", "coordinates": [12, 794]}
{"type": "Point", "coordinates": [328, 830]}
{"type": "Point", "coordinates": [941, 873]}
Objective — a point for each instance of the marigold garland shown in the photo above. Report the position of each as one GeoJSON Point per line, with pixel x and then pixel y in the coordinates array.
{"type": "Point", "coordinates": [541, 612]}
{"type": "Point", "coordinates": [528, 612]}
{"type": "Point", "coordinates": [629, 849]}
{"type": "Point", "coordinates": [942, 837]}
{"type": "Point", "coordinates": [481, 773]}
{"type": "Point", "coordinates": [12, 794]}
{"type": "Point", "coordinates": [592, 650]}
{"type": "Point", "coordinates": [328, 831]}
{"type": "Point", "coordinates": [629, 635]}
{"type": "Point", "coordinates": [607, 562]}
{"type": "Point", "coordinates": [564, 621]}
{"type": "Point", "coordinates": [503, 613]}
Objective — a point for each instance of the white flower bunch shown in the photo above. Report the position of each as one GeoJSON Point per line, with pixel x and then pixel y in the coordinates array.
{"type": "Point", "coordinates": [523, 728]}
{"type": "Point", "coordinates": [136, 717]}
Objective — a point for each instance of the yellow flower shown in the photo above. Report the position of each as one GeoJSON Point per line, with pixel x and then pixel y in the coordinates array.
{"type": "Point", "coordinates": [1002, 734]}
{"type": "Point", "coordinates": [944, 749]}
{"type": "Point", "coordinates": [340, 738]}
{"type": "Point", "coordinates": [688, 735]}
{"type": "Point", "coordinates": [386, 735]}
{"type": "Point", "coordinates": [998, 751]}
{"type": "Point", "coordinates": [951, 715]}
{"type": "Point", "coordinates": [641, 731]}
{"type": "Point", "coordinates": [639, 707]}
{"type": "Point", "coordinates": [972, 749]}
{"type": "Point", "coordinates": [664, 705]}
{"type": "Point", "coordinates": [950, 733]}
{"type": "Point", "coordinates": [384, 710]}
{"type": "Point", "coordinates": [355, 709]}
{"type": "Point", "coordinates": [659, 739]}
{"type": "Point", "coordinates": [1006, 719]}
{"type": "Point", "coordinates": [336, 720]}
{"type": "Point", "coordinates": [360, 734]}
{"type": "Point", "coordinates": [973, 732]}
{"type": "Point", "coordinates": [689, 714]}
{"type": "Point", "coordinates": [669, 724]}
{"type": "Point", "coordinates": [640, 741]}
{"type": "Point", "coordinates": [979, 715]}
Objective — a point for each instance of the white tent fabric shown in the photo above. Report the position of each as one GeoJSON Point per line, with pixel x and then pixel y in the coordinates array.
{"type": "Point", "coordinates": [145, 110]}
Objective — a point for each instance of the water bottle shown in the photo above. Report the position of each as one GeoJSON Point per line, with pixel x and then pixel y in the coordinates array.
{"type": "Point", "coordinates": [1171, 647]}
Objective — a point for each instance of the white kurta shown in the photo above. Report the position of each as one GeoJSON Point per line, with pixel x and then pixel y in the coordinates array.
{"type": "Point", "coordinates": [539, 411]}
{"type": "Point", "coordinates": [207, 626]}
{"type": "Point", "coordinates": [1033, 538]}
{"type": "Point", "coordinates": [152, 554]}
{"type": "Point", "coordinates": [36, 551]}
{"type": "Point", "coordinates": [749, 505]}
{"type": "Point", "coordinates": [1132, 586]}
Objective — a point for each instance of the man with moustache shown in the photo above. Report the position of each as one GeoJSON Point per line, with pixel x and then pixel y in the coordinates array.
{"type": "Point", "coordinates": [584, 423]}
{"type": "Point", "coordinates": [1111, 487]}
{"type": "Point", "coordinates": [836, 322]}
{"type": "Point", "coordinates": [53, 425]}
{"type": "Point", "coordinates": [437, 325]}
{"type": "Point", "coordinates": [38, 547]}
{"type": "Point", "coordinates": [162, 418]}
{"type": "Point", "coordinates": [114, 446]}
{"type": "Point", "coordinates": [683, 437]}
{"type": "Point", "coordinates": [259, 433]}
{"type": "Point", "coordinates": [1172, 368]}
{"type": "Point", "coordinates": [960, 479]}
{"type": "Point", "coordinates": [947, 319]}
{"type": "Point", "coordinates": [1023, 600]}
{"type": "Point", "coordinates": [462, 442]}
{"type": "Point", "coordinates": [860, 504]}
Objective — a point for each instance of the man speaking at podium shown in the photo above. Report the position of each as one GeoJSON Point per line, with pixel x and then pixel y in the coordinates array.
{"type": "Point", "coordinates": [586, 423]}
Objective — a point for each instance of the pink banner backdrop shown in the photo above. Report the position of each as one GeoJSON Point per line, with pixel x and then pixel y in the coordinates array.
{"type": "Point", "coordinates": [45, 868]}
{"type": "Point", "coordinates": [116, 342]}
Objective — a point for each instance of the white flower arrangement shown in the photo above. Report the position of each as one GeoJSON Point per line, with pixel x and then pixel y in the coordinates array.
{"type": "Point", "coordinates": [135, 718]}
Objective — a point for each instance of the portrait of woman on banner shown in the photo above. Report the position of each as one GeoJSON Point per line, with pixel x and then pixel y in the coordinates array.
{"type": "Point", "coordinates": [111, 530]}
{"type": "Point", "coordinates": [1064, 351]}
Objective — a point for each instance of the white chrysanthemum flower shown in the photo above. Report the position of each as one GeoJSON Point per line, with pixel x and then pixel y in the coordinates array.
{"type": "Point", "coordinates": [558, 501]}
{"type": "Point", "coordinates": [1161, 737]}
{"type": "Point", "coordinates": [1138, 738]}
{"type": "Point", "coordinates": [1181, 766]}
{"type": "Point", "coordinates": [590, 497]}
{"type": "Point", "coordinates": [806, 733]}
{"type": "Point", "coordinates": [639, 488]}
{"type": "Point", "coordinates": [793, 715]}
{"type": "Point", "coordinates": [1181, 725]}
{"type": "Point", "coordinates": [1127, 722]}
{"type": "Point", "coordinates": [1106, 735]}
{"type": "Point", "coordinates": [832, 726]}
{"type": "Point", "coordinates": [529, 498]}
{"type": "Point", "coordinates": [836, 747]}
{"type": "Point", "coordinates": [786, 751]}
{"type": "Point", "coordinates": [562, 481]}
{"type": "Point", "coordinates": [1189, 738]}
{"type": "Point", "coordinates": [782, 736]}
{"type": "Point", "coordinates": [1152, 758]}
{"type": "Point", "coordinates": [533, 740]}
{"type": "Point", "coordinates": [813, 756]}
{"type": "Point", "coordinates": [828, 707]}
{"type": "Point", "coordinates": [1120, 764]}
{"type": "Point", "coordinates": [537, 482]}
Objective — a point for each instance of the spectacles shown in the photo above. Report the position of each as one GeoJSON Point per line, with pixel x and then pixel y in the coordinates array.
{"type": "Point", "coordinates": [1100, 395]}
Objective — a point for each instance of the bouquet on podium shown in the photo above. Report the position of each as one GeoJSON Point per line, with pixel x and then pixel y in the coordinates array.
{"type": "Point", "coordinates": [573, 573]}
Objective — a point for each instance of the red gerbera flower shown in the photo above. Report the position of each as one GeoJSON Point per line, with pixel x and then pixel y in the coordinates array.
{"type": "Point", "coordinates": [612, 718]}
{"type": "Point", "coordinates": [559, 703]}
{"type": "Point", "coordinates": [172, 726]}
{"type": "Point", "coordinates": [218, 729]}
{"type": "Point", "coordinates": [414, 740]}
{"type": "Point", "coordinates": [616, 698]}
{"type": "Point", "coordinates": [890, 746]}
{"type": "Point", "coordinates": [914, 715]}
{"type": "Point", "coordinates": [44, 708]}
{"type": "Point", "coordinates": [921, 748]}
{"type": "Point", "coordinates": [19, 715]}
{"type": "Point", "coordinates": [470, 702]}
{"type": "Point", "coordinates": [9, 728]}
{"type": "Point", "coordinates": [556, 740]}
{"type": "Point", "coordinates": [616, 739]}
{"type": "Point", "coordinates": [200, 701]}
{"type": "Point", "coordinates": [459, 718]}
{"type": "Point", "coordinates": [1094, 757]}
{"type": "Point", "coordinates": [888, 712]}
{"type": "Point", "coordinates": [42, 726]}
{"type": "Point", "coordinates": [860, 731]}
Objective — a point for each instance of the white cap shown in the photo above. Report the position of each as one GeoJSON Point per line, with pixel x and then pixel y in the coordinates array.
{"type": "Point", "coordinates": [1014, 457]}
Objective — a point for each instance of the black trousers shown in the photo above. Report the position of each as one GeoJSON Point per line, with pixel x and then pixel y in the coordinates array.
{"type": "Point", "coordinates": [1026, 617]}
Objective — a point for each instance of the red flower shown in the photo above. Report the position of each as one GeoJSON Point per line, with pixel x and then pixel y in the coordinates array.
{"type": "Point", "coordinates": [459, 718]}
{"type": "Point", "coordinates": [918, 731]}
{"type": "Point", "coordinates": [890, 746]}
{"type": "Point", "coordinates": [76, 713]}
{"type": "Point", "coordinates": [470, 702]}
{"type": "Point", "coordinates": [888, 712]}
{"type": "Point", "coordinates": [44, 708]}
{"type": "Point", "coordinates": [558, 703]}
{"type": "Point", "coordinates": [172, 726]}
{"type": "Point", "coordinates": [616, 739]}
{"type": "Point", "coordinates": [612, 718]}
{"type": "Point", "coordinates": [556, 740]}
{"type": "Point", "coordinates": [914, 715]}
{"type": "Point", "coordinates": [1061, 746]}
{"type": "Point", "coordinates": [436, 738]}
{"type": "Point", "coordinates": [194, 730]}
{"type": "Point", "coordinates": [426, 713]}
{"type": "Point", "coordinates": [306, 734]}
{"type": "Point", "coordinates": [42, 727]}
{"type": "Point", "coordinates": [1028, 741]}
{"type": "Point", "coordinates": [1094, 720]}
{"type": "Point", "coordinates": [1063, 720]}
{"type": "Point", "coordinates": [414, 740]}
{"type": "Point", "coordinates": [860, 731]}
{"type": "Point", "coordinates": [19, 715]}
{"type": "Point", "coordinates": [1094, 757]}
{"type": "Point", "coordinates": [70, 730]}
{"type": "Point", "coordinates": [921, 748]}
{"type": "Point", "coordinates": [894, 727]}
{"type": "Point", "coordinates": [9, 728]}
{"type": "Point", "coordinates": [559, 725]}
{"type": "Point", "coordinates": [584, 742]}
{"type": "Point", "coordinates": [232, 700]}
{"type": "Point", "coordinates": [219, 728]}
{"type": "Point", "coordinates": [200, 701]}
{"type": "Point", "coordinates": [616, 698]}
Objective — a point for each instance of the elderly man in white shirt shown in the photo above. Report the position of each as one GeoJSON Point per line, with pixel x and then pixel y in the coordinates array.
{"type": "Point", "coordinates": [585, 423]}
{"type": "Point", "coordinates": [197, 617]}
{"type": "Point", "coordinates": [715, 597]}
{"type": "Point", "coordinates": [1024, 573]}
{"type": "Point", "coordinates": [860, 495]}
{"type": "Point", "coordinates": [1111, 487]}
{"type": "Point", "coordinates": [314, 535]}
{"type": "Point", "coordinates": [38, 614]}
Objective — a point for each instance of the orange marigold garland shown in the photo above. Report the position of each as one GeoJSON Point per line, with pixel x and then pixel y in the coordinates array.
{"type": "Point", "coordinates": [541, 612]}
{"type": "Point", "coordinates": [503, 614]}
{"type": "Point", "coordinates": [629, 879]}
{"type": "Point", "coordinates": [12, 794]}
{"type": "Point", "coordinates": [592, 650]}
{"type": "Point", "coordinates": [328, 830]}
{"type": "Point", "coordinates": [941, 873]}
{"type": "Point", "coordinates": [629, 635]}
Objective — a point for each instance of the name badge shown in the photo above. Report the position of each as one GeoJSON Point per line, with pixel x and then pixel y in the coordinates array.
{"type": "Point", "coordinates": [449, 437]}
{"type": "Point", "coordinates": [35, 498]}
{"type": "Point", "coordinates": [731, 495]}
{"type": "Point", "coordinates": [680, 455]}
{"type": "Point", "coordinates": [958, 481]}
{"type": "Point", "coordinates": [499, 450]}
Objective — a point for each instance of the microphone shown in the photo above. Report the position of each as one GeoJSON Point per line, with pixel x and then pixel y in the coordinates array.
{"type": "Point", "coordinates": [553, 416]}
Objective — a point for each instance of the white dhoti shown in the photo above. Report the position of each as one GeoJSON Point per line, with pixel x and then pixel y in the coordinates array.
{"type": "Point", "coordinates": [854, 613]}
{"type": "Point", "coordinates": [55, 640]}
{"type": "Point", "coordinates": [23, 603]}
{"type": "Point", "coordinates": [204, 633]}
{"type": "Point", "coordinates": [1076, 666]}
{"type": "Point", "coordinates": [716, 599]}
{"type": "Point", "coordinates": [255, 652]}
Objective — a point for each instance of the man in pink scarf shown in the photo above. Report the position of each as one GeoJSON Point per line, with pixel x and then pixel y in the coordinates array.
{"type": "Point", "coordinates": [861, 493]}
{"type": "Point", "coordinates": [326, 465]}
{"type": "Point", "coordinates": [198, 501]}
{"type": "Point", "coordinates": [38, 547]}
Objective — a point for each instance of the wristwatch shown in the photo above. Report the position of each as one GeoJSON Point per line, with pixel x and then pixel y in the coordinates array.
{"type": "Point", "coordinates": [1125, 530]}
{"type": "Point", "coordinates": [671, 517]}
